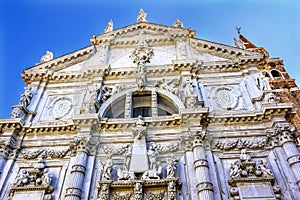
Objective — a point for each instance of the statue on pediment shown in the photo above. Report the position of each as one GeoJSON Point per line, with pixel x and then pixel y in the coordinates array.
{"type": "Point", "coordinates": [109, 26]}
{"type": "Point", "coordinates": [178, 24]}
{"type": "Point", "coordinates": [47, 57]}
{"type": "Point", "coordinates": [142, 16]}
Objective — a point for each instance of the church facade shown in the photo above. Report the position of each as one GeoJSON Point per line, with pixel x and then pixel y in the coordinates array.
{"type": "Point", "coordinates": [150, 112]}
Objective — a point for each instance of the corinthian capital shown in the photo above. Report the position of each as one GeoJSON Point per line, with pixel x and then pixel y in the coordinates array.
{"type": "Point", "coordinates": [198, 135]}
{"type": "Point", "coordinates": [285, 132]}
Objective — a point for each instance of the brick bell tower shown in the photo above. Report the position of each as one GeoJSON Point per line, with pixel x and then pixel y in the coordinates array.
{"type": "Point", "coordinates": [285, 87]}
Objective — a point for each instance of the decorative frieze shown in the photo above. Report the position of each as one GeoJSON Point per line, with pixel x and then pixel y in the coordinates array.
{"type": "Point", "coordinates": [239, 143]}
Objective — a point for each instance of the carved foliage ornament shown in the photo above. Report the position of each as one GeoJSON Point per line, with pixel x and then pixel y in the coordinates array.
{"type": "Point", "coordinates": [241, 143]}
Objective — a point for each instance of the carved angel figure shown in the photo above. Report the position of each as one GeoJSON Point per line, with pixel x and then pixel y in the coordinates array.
{"type": "Point", "coordinates": [47, 57]}
{"type": "Point", "coordinates": [23, 178]}
{"type": "Point", "coordinates": [106, 169]}
{"type": "Point", "coordinates": [244, 156]}
{"type": "Point", "coordinates": [152, 153]}
{"type": "Point", "coordinates": [234, 169]}
{"type": "Point", "coordinates": [261, 167]}
{"type": "Point", "coordinates": [171, 167]}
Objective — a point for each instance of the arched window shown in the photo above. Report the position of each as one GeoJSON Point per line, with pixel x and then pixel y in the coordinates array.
{"type": "Point", "coordinates": [276, 74]}
{"type": "Point", "coordinates": [146, 104]}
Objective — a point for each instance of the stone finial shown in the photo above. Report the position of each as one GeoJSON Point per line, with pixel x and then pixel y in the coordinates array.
{"type": "Point", "coordinates": [109, 26]}
{"type": "Point", "coordinates": [178, 24]}
{"type": "Point", "coordinates": [142, 16]}
{"type": "Point", "coordinates": [47, 57]}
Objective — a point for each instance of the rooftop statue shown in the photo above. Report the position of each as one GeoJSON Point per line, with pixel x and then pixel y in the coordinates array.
{"type": "Point", "coordinates": [178, 24]}
{"type": "Point", "coordinates": [142, 16]}
{"type": "Point", "coordinates": [109, 26]}
{"type": "Point", "coordinates": [47, 57]}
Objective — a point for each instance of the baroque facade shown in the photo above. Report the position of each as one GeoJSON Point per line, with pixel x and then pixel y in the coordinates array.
{"type": "Point", "coordinates": [150, 112]}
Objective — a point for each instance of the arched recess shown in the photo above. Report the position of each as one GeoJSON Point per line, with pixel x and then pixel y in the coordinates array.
{"type": "Point", "coordinates": [267, 74]}
{"type": "Point", "coordinates": [276, 74]}
{"type": "Point", "coordinates": [165, 103]}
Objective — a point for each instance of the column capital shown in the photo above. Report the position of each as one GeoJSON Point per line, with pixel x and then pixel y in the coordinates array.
{"type": "Point", "coordinates": [198, 135]}
{"type": "Point", "coordinates": [285, 133]}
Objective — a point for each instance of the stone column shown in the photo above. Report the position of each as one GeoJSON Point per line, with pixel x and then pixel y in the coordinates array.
{"type": "Point", "coordinates": [154, 104]}
{"type": "Point", "coordinates": [73, 191]}
{"type": "Point", "coordinates": [7, 146]}
{"type": "Point", "coordinates": [204, 185]}
{"type": "Point", "coordinates": [128, 105]}
{"type": "Point", "coordinates": [288, 142]}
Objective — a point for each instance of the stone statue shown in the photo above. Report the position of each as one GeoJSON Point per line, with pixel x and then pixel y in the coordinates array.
{"type": "Point", "coordinates": [109, 26]}
{"type": "Point", "coordinates": [153, 173]}
{"type": "Point", "coordinates": [127, 154]}
{"type": "Point", "coordinates": [244, 156]}
{"type": "Point", "coordinates": [171, 167]}
{"type": "Point", "coordinates": [235, 169]}
{"type": "Point", "coordinates": [46, 178]}
{"type": "Point", "coordinates": [142, 16]}
{"type": "Point", "coordinates": [138, 191]}
{"type": "Point", "coordinates": [152, 153]}
{"type": "Point", "coordinates": [238, 43]}
{"type": "Point", "coordinates": [125, 175]}
{"type": "Point", "coordinates": [16, 113]}
{"type": "Point", "coordinates": [23, 178]}
{"type": "Point", "coordinates": [178, 24]}
{"type": "Point", "coordinates": [26, 97]}
{"type": "Point", "coordinates": [262, 170]}
{"type": "Point", "coordinates": [139, 122]}
{"type": "Point", "coordinates": [104, 192]}
{"type": "Point", "coordinates": [106, 169]}
{"type": "Point", "coordinates": [188, 88]}
{"type": "Point", "coordinates": [47, 57]}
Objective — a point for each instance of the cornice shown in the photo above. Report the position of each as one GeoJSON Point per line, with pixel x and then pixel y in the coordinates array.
{"type": "Point", "coordinates": [267, 112]}
{"type": "Point", "coordinates": [11, 123]}
{"type": "Point", "coordinates": [170, 31]}
{"type": "Point", "coordinates": [44, 70]}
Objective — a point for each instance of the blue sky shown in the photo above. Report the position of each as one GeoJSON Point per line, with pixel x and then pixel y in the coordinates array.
{"type": "Point", "coordinates": [29, 28]}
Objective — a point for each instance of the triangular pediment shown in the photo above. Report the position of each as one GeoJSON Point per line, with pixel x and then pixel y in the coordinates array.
{"type": "Point", "coordinates": [112, 50]}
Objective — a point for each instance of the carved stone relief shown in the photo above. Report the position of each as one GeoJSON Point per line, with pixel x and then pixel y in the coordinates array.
{"type": "Point", "coordinates": [229, 144]}
{"type": "Point", "coordinates": [251, 179]}
{"type": "Point", "coordinates": [61, 107]}
{"type": "Point", "coordinates": [36, 178]}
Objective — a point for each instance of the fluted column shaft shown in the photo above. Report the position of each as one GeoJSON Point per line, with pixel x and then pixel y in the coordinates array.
{"type": "Point", "coordinates": [74, 191]}
{"type": "Point", "coordinates": [293, 158]}
{"type": "Point", "coordinates": [204, 185]}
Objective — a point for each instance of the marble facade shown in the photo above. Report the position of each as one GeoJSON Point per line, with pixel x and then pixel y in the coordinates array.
{"type": "Point", "coordinates": [149, 111]}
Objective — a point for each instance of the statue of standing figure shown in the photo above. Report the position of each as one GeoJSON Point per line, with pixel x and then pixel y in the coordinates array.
{"type": "Point", "coordinates": [106, 169]}
{"type": "Point", "coordinates": [171, 167]}
{"type": "Point", "coordinates": [152, 153]}
{"type": "Point", "coordinates": [26, 97]}
{"type": "Point", "coordinates": [142, 16]}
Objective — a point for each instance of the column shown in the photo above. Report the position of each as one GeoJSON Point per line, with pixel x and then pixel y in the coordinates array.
{"type": "Point", "coordinates": [287, 140]}
{"type": "Point", "coordinates": [154, 103]}
{"type": "Point", "coordinates": [73, 191]}
{"type": "Point", "coordinates": [204, 185]}
{"type": "Point", "coordinates": [128, 106]}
